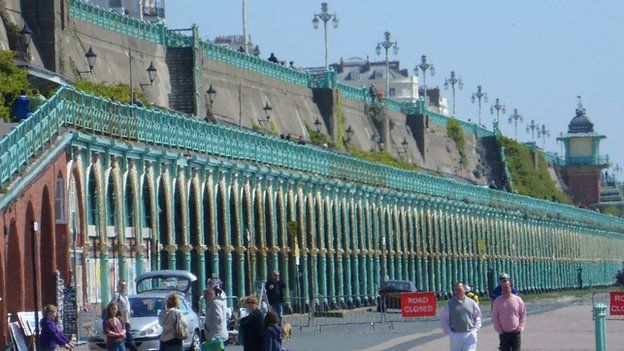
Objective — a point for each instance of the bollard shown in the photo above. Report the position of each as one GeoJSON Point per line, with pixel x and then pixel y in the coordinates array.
{"type": "Point", "coordinates": [600, 312]}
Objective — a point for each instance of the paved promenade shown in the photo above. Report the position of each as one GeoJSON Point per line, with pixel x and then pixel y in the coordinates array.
{"type": "Point", "coordinates": [564, 324]}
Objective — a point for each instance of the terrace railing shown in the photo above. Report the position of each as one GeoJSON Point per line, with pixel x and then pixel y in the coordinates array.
{"type": "Point", "coordinates": [163, 128]}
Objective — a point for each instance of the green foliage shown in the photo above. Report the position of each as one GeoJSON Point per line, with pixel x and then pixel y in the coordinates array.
{"type": "Point", "coordinates": [382, 157]}
{"type": "Point", "coordinates": [317, 138]}
{"type": "Point", "coordinates": [271, 129]}
{"type": "Point", "coordinates": [530, 179]}
{"type": "Point", "coordinates": [613, 211]}
{"type": "Point", "coordinates": [455, 132]}
{"type": "Point", "coordinates": [339, 143]}
{"type": "Point", "coordinates": [120, 92]}
{"type": "Point", "coordinates": [12, 80]}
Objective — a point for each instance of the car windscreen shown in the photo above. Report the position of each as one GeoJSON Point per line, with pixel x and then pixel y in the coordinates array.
{"type": "Point", "coordinates": [146, 306]}
{"type": "Point", "coordinates": [405, 286]}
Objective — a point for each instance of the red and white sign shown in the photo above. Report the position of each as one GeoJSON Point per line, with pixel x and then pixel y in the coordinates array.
{"type": "Point", "coordinates": [422, 304]}
{"type": "Point", "coordinates": [617, 303]}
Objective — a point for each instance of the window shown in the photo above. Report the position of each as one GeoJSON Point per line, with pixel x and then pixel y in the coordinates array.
{"type": "Point", "coordinates": [59, 201]}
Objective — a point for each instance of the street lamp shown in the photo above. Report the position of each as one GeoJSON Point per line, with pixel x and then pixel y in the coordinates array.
{"type": "Point", "coordinates": [387, 44]}
{"type": "Point", "coordinates": [26, 38]}
{"type": "Point", "coordinates": [325, 17]}
{"type": "Point", "coordinates": [211, 94]}
{"type": "Point", "coordinates": [543, 132]}
{"type": "Point", "coordinates": [515, 117]}
{"type": "Point", "coordinates": [498, 107]}
{"type": "Point", "coordinates": [479, 95]}
{"type": "Point", "coordinates": [451, 82]}
{"type": "Point", "coordinates": [404, 146]}
{"type": "Point", "coordinates": [531, 129]}
{"type": "Point", "coordinates": [424, 66]}
{"type": "Point", "coordinates": [348, 135]}
{"type": "Point", "coordinates": [151, 73]}
{"type": "Point", "coordinates": [91, 56]}
{"type": "Point", "coordinates": [317, 125]}
{"type": "Point", "coordinates": [267, 110]}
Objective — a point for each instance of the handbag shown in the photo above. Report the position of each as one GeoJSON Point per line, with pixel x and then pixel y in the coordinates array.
{"type": "Point", "coordinates": [180, 331]}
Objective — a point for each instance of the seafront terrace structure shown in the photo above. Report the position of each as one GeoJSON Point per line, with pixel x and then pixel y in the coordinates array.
{"type": "Point", "coordinates": [163, 190]}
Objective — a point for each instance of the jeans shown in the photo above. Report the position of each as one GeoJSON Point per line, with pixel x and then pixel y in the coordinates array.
{"type": "Point", "coordinates": [510, 341]}
{"type": "Point", "coordinates": [278, 308]}
{"type": "Point", "coordinates": [117, 346]}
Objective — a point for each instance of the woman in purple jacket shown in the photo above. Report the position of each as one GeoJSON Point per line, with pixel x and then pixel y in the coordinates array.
{"type": "Point", "coordinates": [51, 337]}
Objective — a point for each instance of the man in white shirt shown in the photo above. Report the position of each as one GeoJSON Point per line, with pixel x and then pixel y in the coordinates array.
{"type": "Point", "coordinates": [121, 297]}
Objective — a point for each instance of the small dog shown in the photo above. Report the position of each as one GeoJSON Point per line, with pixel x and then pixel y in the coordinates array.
{"type": "Point", "coordinates": [286, 331]}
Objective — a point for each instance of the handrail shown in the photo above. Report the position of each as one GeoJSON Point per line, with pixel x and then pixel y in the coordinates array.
{"type": "Point", "coordinates": [96, 114]}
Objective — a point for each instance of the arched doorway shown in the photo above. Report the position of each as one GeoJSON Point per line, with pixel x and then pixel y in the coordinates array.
{"type": "Point", "coordinates": [163, 224]}
{"type": "Point", "coordinates": [15, 295]}
{"type": "Point", "coordinates": [47, 251]}
{"type": "Point", "coordinates": [29, 265]}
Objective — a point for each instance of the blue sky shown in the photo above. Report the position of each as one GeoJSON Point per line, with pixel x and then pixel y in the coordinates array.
{"type": "Point", "coordinates": [536, 56]}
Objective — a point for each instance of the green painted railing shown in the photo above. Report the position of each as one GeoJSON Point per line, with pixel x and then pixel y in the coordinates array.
{"type": "Point", "coordinates": [178, 131]}
{"type": "Point", "coordinates": [127, 25]}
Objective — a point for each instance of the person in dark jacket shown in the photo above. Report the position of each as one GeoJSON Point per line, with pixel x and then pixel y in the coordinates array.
{"type": "Point", "coordinates": [272, 333]}
{"type": "Point", "coordinates": [502, 279]}
{"type": "Point", "coordinates": [252, 326]}
{"type": "Point", "coordinates": [21, 106]}
{"type": "Point", "coordinates": [275, 293]}
{"type": "Point", "coordinates": [51, 337]}
{"type": "Point", "coordinates": [273, 58]}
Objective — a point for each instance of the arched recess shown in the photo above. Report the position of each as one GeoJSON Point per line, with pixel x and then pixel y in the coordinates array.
{"type": "Point", "coordinates": [76, 225]}
{"type": "Point", "coordinates": [129, 228]}
{"type": "Point", "coordinates": [29, 265]}
{"type": "Point", "coordinates": [112, 221]}
{"type": "Point", "coordinates": [236, 240]}
{"type": "Point", "coordinates": [60, 228]}
{"type": "Point", "coordinates": [47, 251]}
{"type": "Point", "coordinates": [163, 224]}
{"type": "Point", "coordinates": [249, 235]}
{"type": "Point", "coordinates": [147, 222]}
{"type": "Point", "coordinates": [194, 232]}
{"type": "Point", "coordinates": [271, 235]}
{"type": "Point", "coordinates": [222, 231]}
{"type": "Point", "coordinates": [179, 231]}
{"type": "Point", "coordinates": [15, 295]}
{"type": "Point", "coordinates": [210, 226]}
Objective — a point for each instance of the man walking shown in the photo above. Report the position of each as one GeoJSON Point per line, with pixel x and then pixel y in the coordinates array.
{"type": "Point", "coordinates": [121, 297]}
{"type": "Point", "coordinates": [275, 293]}
{"type": "Point", "coordinates": [504, 277]}
{"type": "Point", "coordinates": [461, 318]}
{"type": "Point", "coordinates": [508, 317]}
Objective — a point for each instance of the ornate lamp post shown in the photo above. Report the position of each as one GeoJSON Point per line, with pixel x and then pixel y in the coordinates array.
{"type": "Point", "coordinates": [211, 92]}
{"type": "Point", "coordinates": [26, 38]}
{"type": "Point", "coordinates": [479, 95]}
{"type": "Point", "coordinates": [451, 82]}
{"type": "Point", "coordinates": [387, 44]}
{"type": "Point", "coordinates": [317, 126]}
{"type": "Point", "coordinates": [515, 117]}
{"type": "Point", "coordinates": [151, 73]}
{"type": "Point", "coordinates": [531, 129]}
{"type": "Point", "coordinates": [543, 132]}
{"type": "Point", "coordinates": [498, 107]}
{"type": "Point", "coordinates": [325, 17]}
{"type": "Point", "coordinates": [424, 66]}
{"type": "Point", "coordinates": [348, 134]}
{"type": "Point", "coordinates": [91, 56]}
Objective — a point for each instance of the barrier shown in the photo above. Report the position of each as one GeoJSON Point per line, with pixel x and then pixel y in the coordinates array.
{"type": "Point", "coordinates": [614, 300]}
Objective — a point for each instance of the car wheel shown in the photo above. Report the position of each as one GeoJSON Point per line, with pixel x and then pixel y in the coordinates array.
{"type": "Point", "coordinates": [196, 343]}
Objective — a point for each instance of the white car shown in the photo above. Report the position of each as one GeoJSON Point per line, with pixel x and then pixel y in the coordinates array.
{"type": "Point", "coordinates": [153, 289]}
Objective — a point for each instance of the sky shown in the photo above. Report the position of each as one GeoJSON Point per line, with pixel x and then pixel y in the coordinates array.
{"type": "Point", "coordinates": [535, 55]}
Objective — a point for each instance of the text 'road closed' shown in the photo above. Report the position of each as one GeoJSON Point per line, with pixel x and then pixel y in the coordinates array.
{"type": "Point", "coordinates": [418, 304]}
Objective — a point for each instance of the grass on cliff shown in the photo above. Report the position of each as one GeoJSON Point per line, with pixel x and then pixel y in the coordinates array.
{"type": "Point", "coordinates": [382, 157]}
{"type": "Point", "coordinates": [120, 92]}
{"type": "Point", "coordinates": [12, 80]}
{"type": "Point", "coordinates": [455, 132]}
{"type": "Point", "coordinates": [530, 179]}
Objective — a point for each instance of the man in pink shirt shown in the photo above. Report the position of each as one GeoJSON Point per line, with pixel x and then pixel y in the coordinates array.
{"type": "Point", "coordinates": [508, 317]}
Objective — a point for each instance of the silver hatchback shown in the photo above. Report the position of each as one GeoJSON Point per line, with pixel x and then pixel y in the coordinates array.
{"type": "Point", "coordinates": [153, 289]}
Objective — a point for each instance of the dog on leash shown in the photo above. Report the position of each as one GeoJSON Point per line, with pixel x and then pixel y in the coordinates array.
{"type": "Point", "coordinates": [286, 331]}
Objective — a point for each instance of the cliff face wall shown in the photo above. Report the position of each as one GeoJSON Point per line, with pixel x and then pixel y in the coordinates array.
{"type": "Point", "coordinates": [241, 93]}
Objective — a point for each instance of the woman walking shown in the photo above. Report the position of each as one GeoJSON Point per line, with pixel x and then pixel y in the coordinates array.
{"type": "Point", "coordinates": [168, 320]}
{"type": "Point", "coordinates": [215, 325]}
{"type": "Point", "coordinates": [51, 337]}
{"type": "Point", "coordinates": [114, 328]}
{"type": "Point", "coordinates": [252, 326]}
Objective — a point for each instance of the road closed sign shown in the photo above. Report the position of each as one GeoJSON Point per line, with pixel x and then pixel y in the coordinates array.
{"type": "Point", "coordinates": [616, 307]}
{"type": "Point", "coordinates": [421, 304]}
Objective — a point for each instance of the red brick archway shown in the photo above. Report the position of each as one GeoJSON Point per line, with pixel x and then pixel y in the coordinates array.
{"type": "Point", "coordinates": [47, 251]}
{"type": "Point", "coordinates": [14, 276]}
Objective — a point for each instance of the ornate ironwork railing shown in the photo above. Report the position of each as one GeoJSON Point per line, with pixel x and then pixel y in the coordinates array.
{"type": "Point", "coordinates": [116, 22]}
{"type": "Point", "coordinates": [164, 128]}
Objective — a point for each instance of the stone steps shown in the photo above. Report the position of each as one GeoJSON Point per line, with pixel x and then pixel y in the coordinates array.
{"type": "Point", "coordinates": [180, 62]}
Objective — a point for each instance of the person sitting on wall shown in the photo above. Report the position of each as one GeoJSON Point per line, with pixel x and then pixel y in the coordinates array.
{"type": "Point", "coordinates": [273, 59]}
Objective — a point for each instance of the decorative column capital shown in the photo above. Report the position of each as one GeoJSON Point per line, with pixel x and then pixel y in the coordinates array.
{"type": "Point", "coordinates": [200, 249]}
{"type": "Point", "coordinates": [186, 248]}
{"type": "Point", "coordinates": [214, 249]}
{"type": "Point", "coordinates": [171, 249]}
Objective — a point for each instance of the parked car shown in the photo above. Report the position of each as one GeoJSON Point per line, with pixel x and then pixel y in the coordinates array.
{"type": "Point", "coordinates": [152, 291]}
{"type": "Point", "coordinates": [389, 295]}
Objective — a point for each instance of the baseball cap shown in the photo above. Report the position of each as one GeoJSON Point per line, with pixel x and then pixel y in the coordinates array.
{"type": "Point", "coordinates": [503, 276]}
